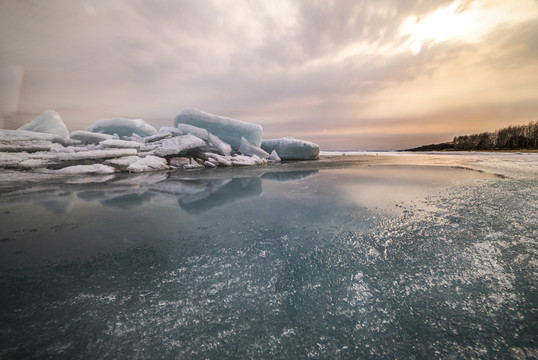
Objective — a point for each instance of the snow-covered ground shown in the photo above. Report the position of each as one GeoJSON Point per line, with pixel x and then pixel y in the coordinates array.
{"type": "Point", "coordinates": [510, 164]}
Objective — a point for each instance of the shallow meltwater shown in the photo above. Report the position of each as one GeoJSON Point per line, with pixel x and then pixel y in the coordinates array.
{"type": "Point", "coordinates": [289, 261]}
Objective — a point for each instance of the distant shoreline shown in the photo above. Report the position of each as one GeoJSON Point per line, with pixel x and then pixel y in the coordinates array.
{"type": "Point", "coordinates": [425, 149]}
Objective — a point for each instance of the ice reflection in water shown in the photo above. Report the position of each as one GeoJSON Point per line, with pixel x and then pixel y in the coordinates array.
{"type": "Point", "coordinates": [307, 268]}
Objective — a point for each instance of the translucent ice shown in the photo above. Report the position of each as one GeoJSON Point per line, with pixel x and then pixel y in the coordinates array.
{"type": "Point", "coordinates": [289, 148]}
{"type": "Point", "coordinates": [48, 122]}
{"type": "Point", "coordinates": [274, 156]}
{"type": "Point", "coordinates": [213, 141]}
{"type": "Point", "coordinates": [217, 144]}
{"type": "Point", "coordinates": [185, 129]}
{"type": "Point", "coordinates": [123, 127]}
{"type": "Point", "coordinates": [88, 137]}
{"type": "Point", "coordinates": [226, 129]}
{"type": "Point", "coordinates": [246, 148]}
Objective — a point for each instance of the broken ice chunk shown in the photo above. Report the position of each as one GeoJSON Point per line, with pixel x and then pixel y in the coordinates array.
{"type": "Point", "coordinates": [121, 144]}
{"type": "Point", "coordinates": [218, 159]}
{"type": "Point", "coordinates": [213, 141]}
{"type": "Point", "coordinates": [86, 169]}
{"type": "Point", "coordinates": [219, 145]}
{"type": "Point", "coordinates": [243, 160]}
{"type": "Point", "coordinates": [138, 164]}
{"type": "Point", "coordinates": [185, 129]}
{"type": "Point", "coordinates": [95, 154]}
{"type": "Point", "coordinates": [23, 138]}
{"type": "Point", "coordinates": [123, 127]}
{"type": "Point", "coordinates": [180, 162]}
{"type": "Point", "coordinates": [122, 163]}
{"type": "Point", "coordinates": [176, 145]}
{"type": "Point", "coordinates": [226, 129]}
{"type": "Point", "coordinates": [33, 164]}
{"type": "Point", "coordinates": [12, 159]}
{"type": "Point", "coordinates": [246, 148]}
{"type": "Point", "coordinates": [274, 156]}
{"type": "Point", "coordinates": [289, 148]}
{"type": "Point", "coordinates": [160, 136]}
{"type": "Point", "coordinates": [88, 137]}
{"type": "Point", "coordinates": [148, 163]}
{"type": "Point", "coordinates": [48, 122]}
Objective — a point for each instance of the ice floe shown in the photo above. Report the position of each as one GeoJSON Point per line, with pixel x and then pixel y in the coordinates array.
{"type": "Point", "coordinates": [226, 129]}
{"type": "Point", "coordinates": [289, 148]}
{"type": "Point", "coordinates": [198, 140]}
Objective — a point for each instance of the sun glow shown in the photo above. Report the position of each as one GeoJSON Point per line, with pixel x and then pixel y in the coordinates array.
{"type": "Point", "coordinates": [460, 21]}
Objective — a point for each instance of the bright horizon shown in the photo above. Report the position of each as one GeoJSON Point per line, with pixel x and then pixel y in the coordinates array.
{"type": "Point", "coordinates": [348, 75]}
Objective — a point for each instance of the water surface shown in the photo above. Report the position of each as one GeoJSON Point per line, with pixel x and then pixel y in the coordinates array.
{"type": "Point", "coordinates": [317, 260]}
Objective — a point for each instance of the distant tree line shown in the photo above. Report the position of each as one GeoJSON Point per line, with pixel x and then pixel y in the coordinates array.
{"type": "Point", "coordinates": [512, 137]}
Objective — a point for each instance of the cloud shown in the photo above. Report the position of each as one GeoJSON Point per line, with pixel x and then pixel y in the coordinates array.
{"type": "Point", "coordinates": [294, 66]}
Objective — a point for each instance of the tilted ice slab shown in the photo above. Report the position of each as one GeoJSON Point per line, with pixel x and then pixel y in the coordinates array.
{"type": "Point", "coordinates": [176, 145]}
{"type": "Point", "coordinates": [289, 148]}
{"type": "Point", "coordinates": [123, 127]}
{"type": "Point", "coordinates": [226, 129]}
{"type": "Point", "coordinates": [213, 141]}
{"type": "Point", "coordinates": [48, 122]}
{"type": "Point", "coordinates": [246, 148]}
{"type": "Point", "coordinates": [88, 137]}
{"type": "Point", "coordinates": [160, 136]}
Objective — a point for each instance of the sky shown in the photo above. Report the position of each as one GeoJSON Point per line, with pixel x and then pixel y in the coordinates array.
{"type": "Point", "coordinates": [346, 74]}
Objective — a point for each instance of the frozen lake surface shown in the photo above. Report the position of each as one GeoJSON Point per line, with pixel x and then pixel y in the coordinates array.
{"type": "Point", "coordinates": [357, 255]}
